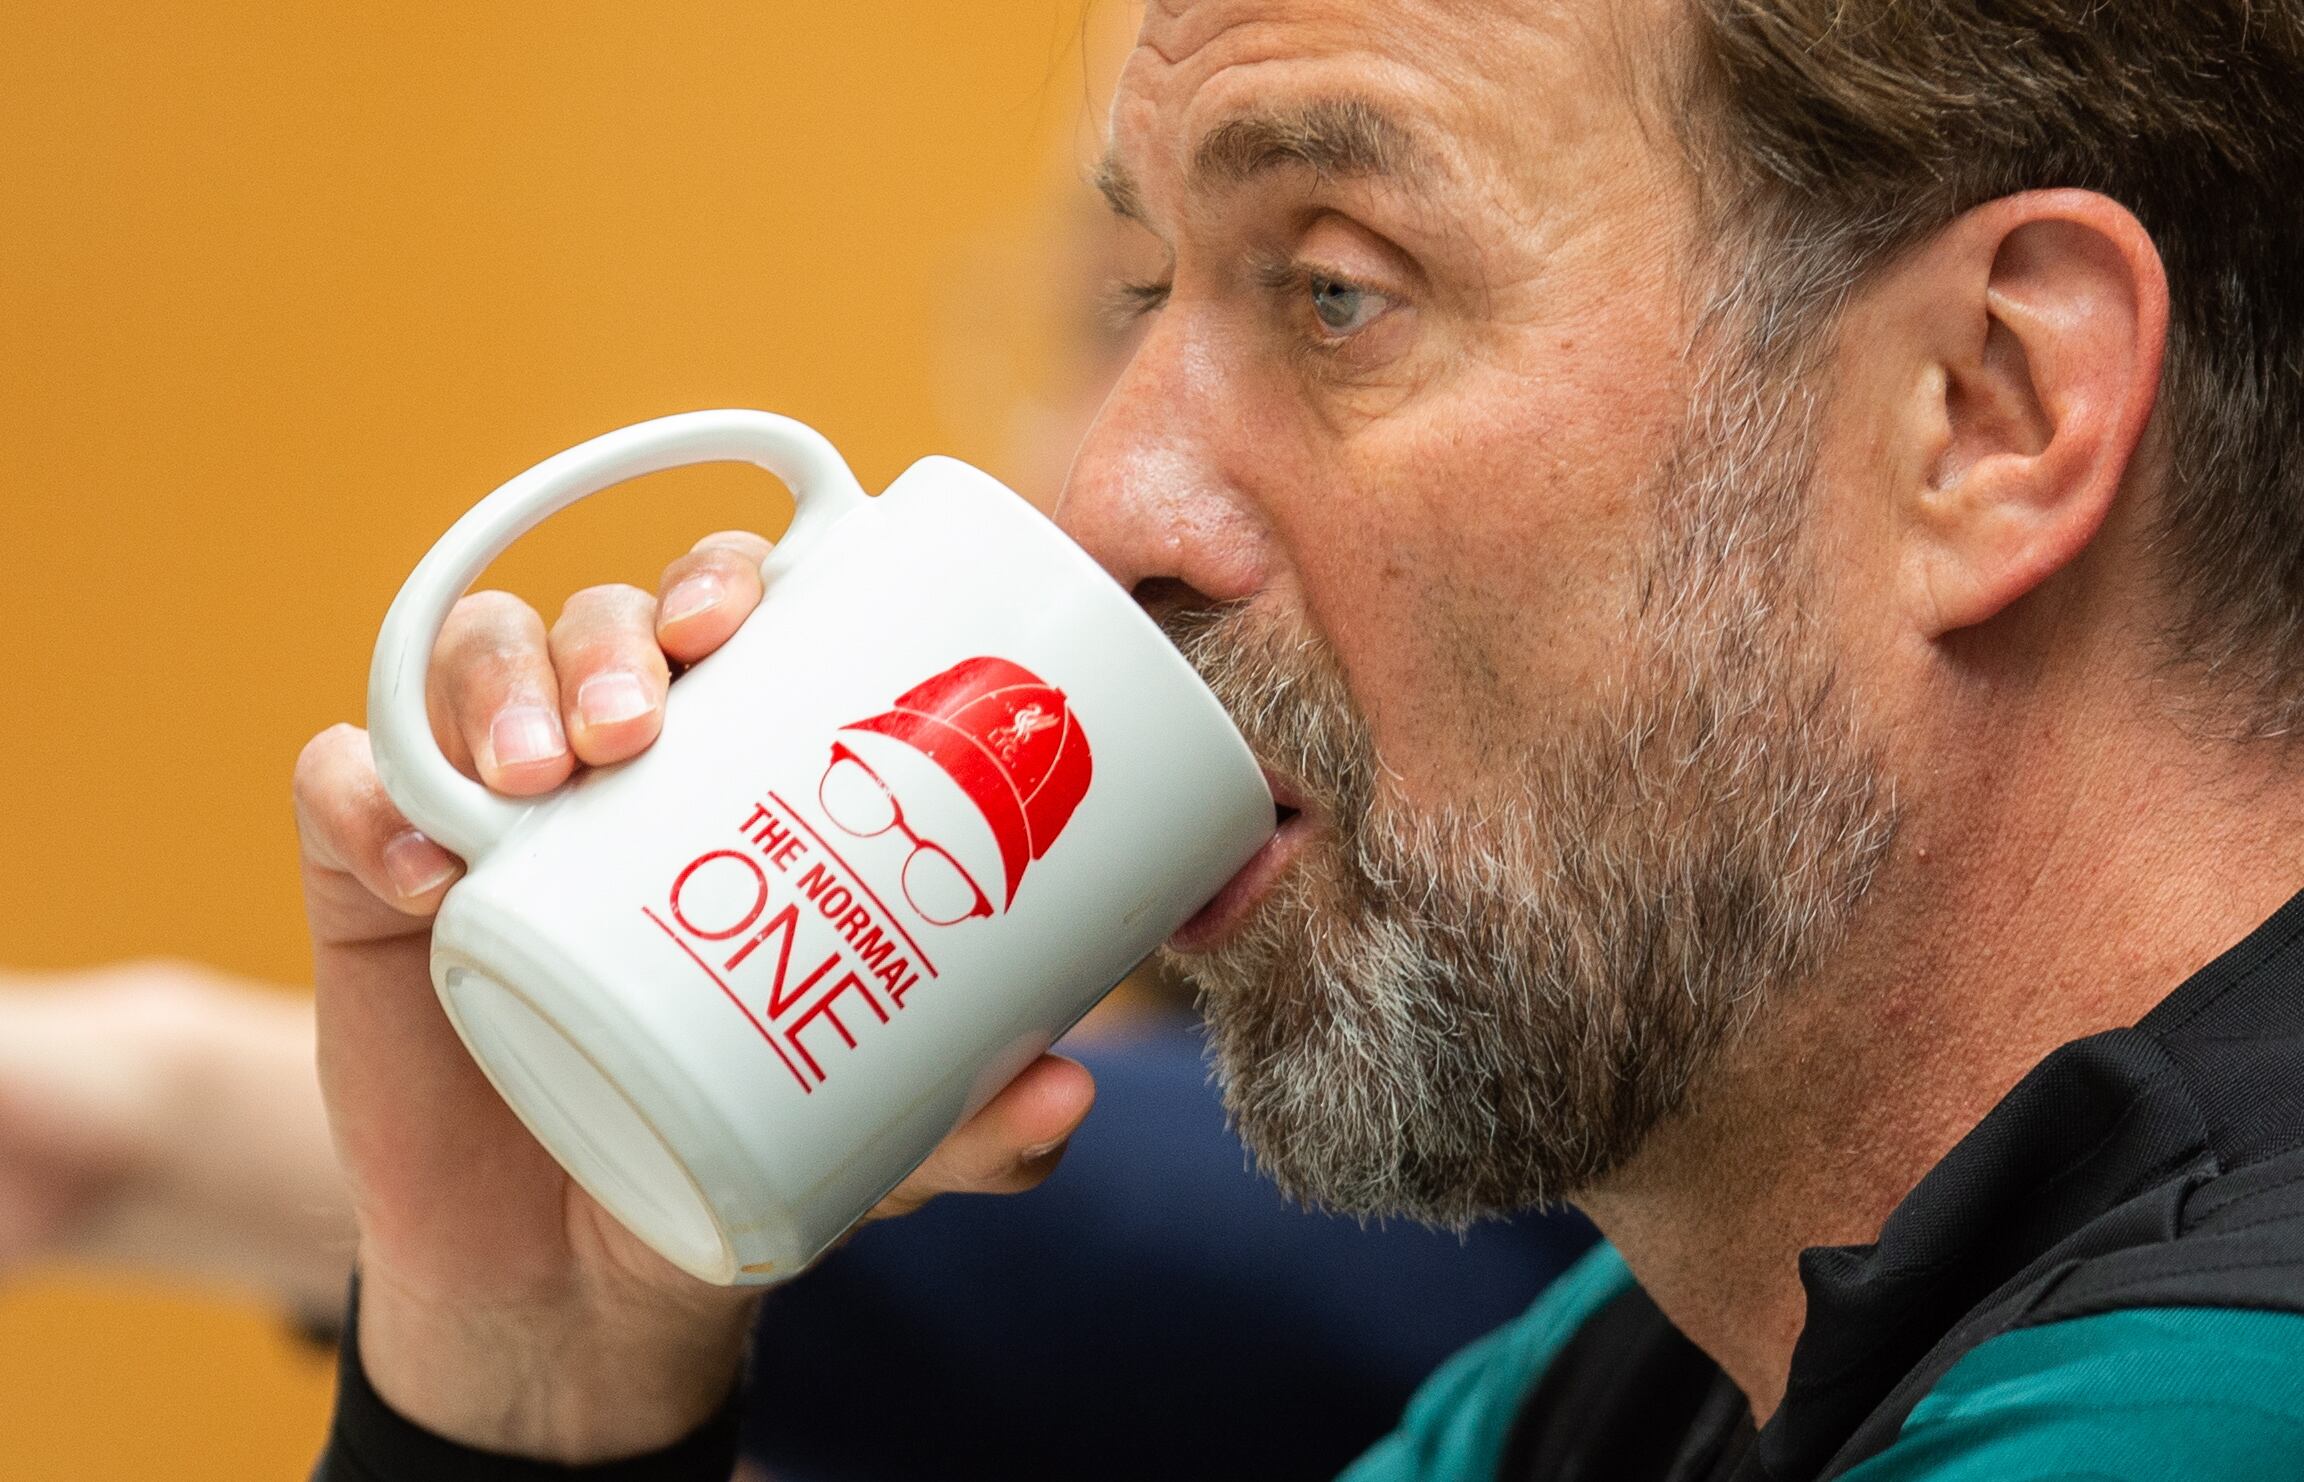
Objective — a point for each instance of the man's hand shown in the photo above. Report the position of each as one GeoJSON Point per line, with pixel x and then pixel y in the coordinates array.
{"type": "Point", "coordinates": [499, 1305]}
{"type": "Point", "coordinates": [163, 1115]}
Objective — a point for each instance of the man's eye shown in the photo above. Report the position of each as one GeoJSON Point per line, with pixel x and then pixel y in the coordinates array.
{"type": "Point", "coordinates": [1123, 303]}
{"type": "Point", "coordinates": [1341, 307]}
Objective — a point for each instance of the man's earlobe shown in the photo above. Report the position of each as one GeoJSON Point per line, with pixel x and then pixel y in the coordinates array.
{"type": "Point", "coordinates": [2055, 318]}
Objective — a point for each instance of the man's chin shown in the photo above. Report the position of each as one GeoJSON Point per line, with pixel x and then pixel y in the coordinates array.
{"type": "Point", "coordinates": [1313, 1008]}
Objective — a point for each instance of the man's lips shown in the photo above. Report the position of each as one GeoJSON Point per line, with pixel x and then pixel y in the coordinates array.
{"type": "Point", "coordinates": [1241, 894]}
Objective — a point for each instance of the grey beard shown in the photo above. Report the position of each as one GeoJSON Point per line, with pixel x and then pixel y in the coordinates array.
{"type": "Point", "coordinates": [1470, 1010]}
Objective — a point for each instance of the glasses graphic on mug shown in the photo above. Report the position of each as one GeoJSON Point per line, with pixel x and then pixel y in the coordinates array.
{"type": "Point", "coordinates": [1010, 743]}
{"type": "Point", "coordinates": [857, 801]}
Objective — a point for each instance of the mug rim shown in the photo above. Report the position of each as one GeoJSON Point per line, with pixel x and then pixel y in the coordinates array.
{"type": "Point", "coordinates": [1020, 513]}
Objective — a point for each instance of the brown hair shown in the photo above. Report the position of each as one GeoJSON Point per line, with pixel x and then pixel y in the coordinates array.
{"type": "Point", "coordinates": [1852, 128]}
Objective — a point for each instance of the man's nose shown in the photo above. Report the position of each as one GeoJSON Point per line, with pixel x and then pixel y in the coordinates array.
{"type": "Point", "coordinates": [1156, 493]}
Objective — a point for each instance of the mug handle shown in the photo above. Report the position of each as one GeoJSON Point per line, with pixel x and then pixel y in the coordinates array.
{"type": "Point", "coordinates": [458, 812]}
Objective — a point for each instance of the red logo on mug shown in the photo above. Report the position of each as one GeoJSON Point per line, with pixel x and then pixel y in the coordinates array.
{"type": "Point", "coordinates": [1011, 750]}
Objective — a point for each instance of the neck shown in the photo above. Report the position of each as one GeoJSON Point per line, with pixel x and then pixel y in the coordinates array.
{"type": "Point", "coordinates": [2066, 894]}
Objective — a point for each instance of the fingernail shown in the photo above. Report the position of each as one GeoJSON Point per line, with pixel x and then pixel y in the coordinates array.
{"type": "Point", "coordinates": [700, 593]}
{"type": "Point", "coordinates": [525, 733]}
{"type": "Point", "coordinates": [1036, 1153]}
{"type": "Point", "coordinates": [417, 865]}
{"type": "Point", "coordinates": [605, 699]}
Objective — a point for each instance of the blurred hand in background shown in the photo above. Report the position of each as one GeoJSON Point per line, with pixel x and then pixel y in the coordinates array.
{"type": "Point", "coordinates": [164, 1116]}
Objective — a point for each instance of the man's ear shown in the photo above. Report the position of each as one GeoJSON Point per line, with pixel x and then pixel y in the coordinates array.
{"type": "Point", "coordinates": [2044, 318]}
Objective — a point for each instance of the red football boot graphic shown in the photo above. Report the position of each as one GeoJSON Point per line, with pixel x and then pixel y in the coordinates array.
{"type": "Point", "coordinates": [1012, 746]}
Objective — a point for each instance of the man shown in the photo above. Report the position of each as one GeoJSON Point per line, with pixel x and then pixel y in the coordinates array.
{"type": "Point", "coordinates": [1764, 544]}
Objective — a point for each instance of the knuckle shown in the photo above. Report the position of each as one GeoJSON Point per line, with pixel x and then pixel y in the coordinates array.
{"type": "Point", "coordinates": [596, 616]}
{"type": "Point", "coordinates": [323, 757]}
{"type": "Point", "coordinates": [481, 619]}
{"type": "Point", "coordinates": [491, 638]}
{"type": "Point", "coordinates": [987, 1170]}
{"type": "Point", "coordinates": [488, 608]}
{"type": "Point", "coordinates": [578, 656]}
{"type": "Point", "coordinates": [338, 795]}
{"type": "Point", "coordinates": [609, 600]}
{"type": "Point", "coordinates": [481, 674]}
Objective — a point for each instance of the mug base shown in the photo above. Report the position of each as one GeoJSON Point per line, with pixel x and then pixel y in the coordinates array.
{"type": "Point", "coordinates": [597, 1133]}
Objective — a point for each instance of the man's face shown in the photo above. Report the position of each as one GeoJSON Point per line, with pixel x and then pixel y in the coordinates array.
{"type": "Point", "coordinates": [1498, 565]}
{"type": "Point", "coordinates": [1411, 403]}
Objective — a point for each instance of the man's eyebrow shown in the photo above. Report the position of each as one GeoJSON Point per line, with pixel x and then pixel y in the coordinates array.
{"type": "Point", "coordinates": [1119, 188]}
{"type": "Point", "coordinates": [1342, 138]}
{"type": "Point", "coordinates": [1346, 138]}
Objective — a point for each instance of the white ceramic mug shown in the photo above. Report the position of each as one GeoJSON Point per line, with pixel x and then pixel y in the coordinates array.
{"type": "Point", "coordinates": [943, 789]}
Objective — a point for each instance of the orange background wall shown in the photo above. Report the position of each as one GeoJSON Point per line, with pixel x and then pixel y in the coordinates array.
{"type": "Point", "coordinates": [283, 287]}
